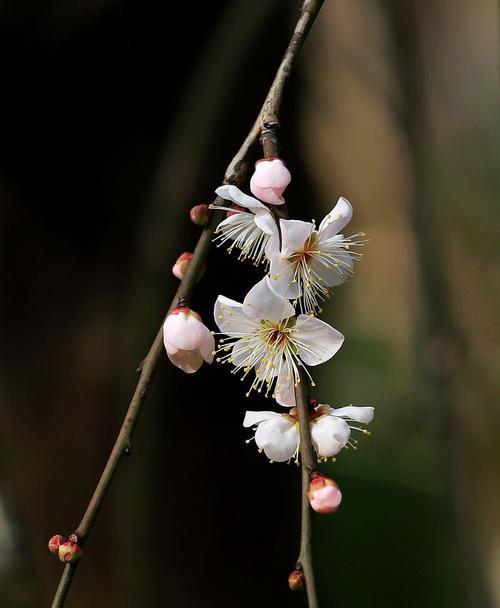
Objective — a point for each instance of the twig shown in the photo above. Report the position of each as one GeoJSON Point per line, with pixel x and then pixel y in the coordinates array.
{"type": "Point", "coordinates": [235, 174]}
{"type": "Point", "coordinates": [268, 114]}
{"type": "Point", "coordinates": [308, 465]}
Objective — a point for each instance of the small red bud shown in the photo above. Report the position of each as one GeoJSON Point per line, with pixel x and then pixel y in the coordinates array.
{"type": "Point", "coordinates": [69, 552]}
{"type": "Point", "coordinates": [55, 542]}
{"type": "Point", "coordinates": [296, 580]}
{"type": "Point", "coordinates": [200, 215]}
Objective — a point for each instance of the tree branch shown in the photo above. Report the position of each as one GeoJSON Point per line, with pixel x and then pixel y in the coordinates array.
{"type": "Point", "coordinates": [268, 114]}
{"type": "Point", "coordinates": [308, 465]}
{"type": "Point", "coordinates": [235, 174]}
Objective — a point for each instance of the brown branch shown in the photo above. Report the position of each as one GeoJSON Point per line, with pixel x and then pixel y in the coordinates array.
{"type": "Point", "coordinates": [269, 112]}
{"type": "Point", "coordinates": [235, 174]}
{"type": "Point", "coordinates": [308, 465]}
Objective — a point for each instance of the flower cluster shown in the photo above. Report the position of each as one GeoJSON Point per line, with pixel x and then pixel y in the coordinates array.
{"type": "Point", "coordinates": [274, 335]}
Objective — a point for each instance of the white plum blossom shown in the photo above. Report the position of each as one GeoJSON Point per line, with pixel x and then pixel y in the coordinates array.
{"type": "Point", "coordinates": [265, 337]}
{"type": "Point", "coordinates": [277, 435]}
{"type": "Point", "coordinates": [312, 261]}
{"type": "Point", "coordinates": [250, 229]}
{"type": "Point", "coordinates": [187, 340]}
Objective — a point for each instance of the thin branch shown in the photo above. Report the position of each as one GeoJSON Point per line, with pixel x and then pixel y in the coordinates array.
{"type": "Point", "coordinates": [308, 464]}
{"type": "Point", "coordinates": [268, 114]}
{"type": "Point", "coordinates": [235, 174]}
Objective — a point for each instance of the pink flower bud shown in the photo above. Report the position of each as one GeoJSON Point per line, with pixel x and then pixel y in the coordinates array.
{"type": "Point", "coordinates": [187, 340]}
{"type": "Point", "coordinates": [55, 542]}
{"type": "Point", "coordinates": [180, 267]}
{"type": "Point", "coordinates": [200, 215]}
{"type": "Point", "coordinates": [296, 580]}
{"type": "Point", "coordinates": [324, 494]}
{"type": "Point", "coordinates": [269, 180]}
{"type": "Point", "coordinates": [69, 552]}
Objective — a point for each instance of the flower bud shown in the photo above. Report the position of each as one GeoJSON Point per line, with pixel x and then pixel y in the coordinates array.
{"type": "Point", "coordinates": [324, 494]}
{"type": "Point", "coordinates": [296, 580]}
{"type": "Point", "coordinates": [200, 215]}
{"type": "Point", "coordinates": [187, 340]}
{"type": "Point", "coordinates": [180, 267]}
{"type": "Point", "coordinates": [269, 180]}
{"type": "Point", "coordinates": [55, 542]}
{"type": "Point", "coordinates": [69, 552]}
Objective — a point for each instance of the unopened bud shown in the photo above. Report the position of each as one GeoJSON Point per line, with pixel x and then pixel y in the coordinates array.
{"type": "Point", "coordinates": [269, 180]}
{"type": "Point", "coordinates": [55, 542]}
{"type": "Point", "coordinates": [200, 215]}
{"type": "Point", "coordinates": [296, 580]}
{"type": "Point", "coordinates": [324, 494]}
{"type": "Point", "coordinates": [69, 552]}
{"type": "Point", "coordinates": [180, 267]}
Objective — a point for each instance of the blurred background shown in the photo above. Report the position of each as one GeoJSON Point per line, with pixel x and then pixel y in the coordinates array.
{"type": "Point", "coordinates": [111, 131]}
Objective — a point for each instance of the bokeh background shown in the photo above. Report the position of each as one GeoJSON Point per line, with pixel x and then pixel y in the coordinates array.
{"type": "Point", "coordinates": [113, 126]}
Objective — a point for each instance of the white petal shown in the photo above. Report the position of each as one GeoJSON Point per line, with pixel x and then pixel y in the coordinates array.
{"type": "Point", "coordinates": [265, 221]}
{"type": "Point", "coordinates": [183, 331]}
{"type": "Point", "coordinates": [316, 340]}
{"type": "Point", "coordinates": [281, 277]}
{"type": "Point", "coordinates": [189, 361]}
{"type": "Point", "coordinates": [337, 219]}
{"type": "Point", "coordinates": [232, 193]}
{"type": "Point", "coordinates": [270, 196]}
{"type": "Point", "coordinates": [252, 418]}
{"type": "Point", "coordinates": [208, 347]}
{"type": "Point", "coordinates": [294, 233]}
{"type": "Point", "coordinates": [272, 246]}
{"type": "Point", "coordinates": [359, 414]}
{"type": "Point", "coordinates": [241, 353]}
{"type": "Point", "coordinates": [278, 437]}
{"type": "Point", "coordinates": [231, 319]}
{"type": "Point", "coordinates": [329, 435]}
{"type": "Point", "coordinates": [262, 303]}
{"type": "Point", "coordinates": [284, 391]}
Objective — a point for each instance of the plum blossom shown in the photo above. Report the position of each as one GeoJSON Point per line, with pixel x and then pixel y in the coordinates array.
{"type": "Point", "coordinates": [187, 340]}
{"type": "Point", "coordinates": [249, 228]}
{"type": "Point", "coordinates": [277, 435]}
{"type": "Point", "coordinates": [312, 261]}
{"type": "Point", "coordinates": [269, 180]}
{"type": "Point", "coordinates": [264, 336]}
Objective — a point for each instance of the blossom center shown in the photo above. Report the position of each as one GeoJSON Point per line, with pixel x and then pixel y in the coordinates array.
{"type": "Point", "coordinates": [276, 334]}
{"type": "Point", "coordinates": [309, 250]}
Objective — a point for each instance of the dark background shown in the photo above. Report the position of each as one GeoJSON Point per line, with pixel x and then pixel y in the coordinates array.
{"type": "Point", "coordinates": [113, 126]}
